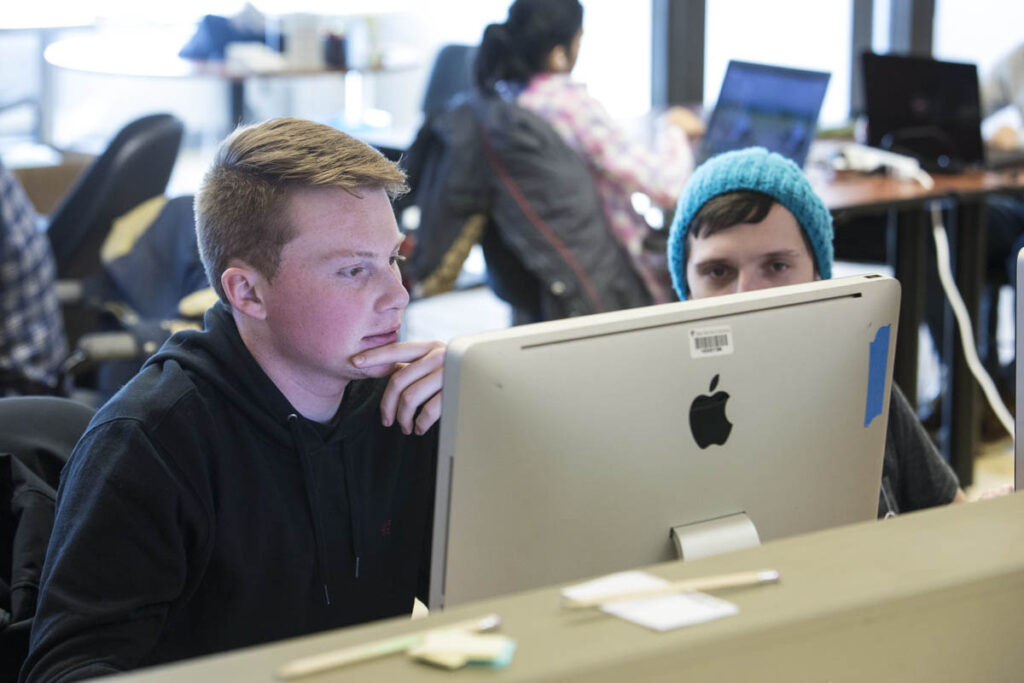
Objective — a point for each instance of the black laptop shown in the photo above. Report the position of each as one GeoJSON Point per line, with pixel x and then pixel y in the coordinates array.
{"type": "Point", "coordinates": [769, 106]}
{"type": "Point", "coordinates": [928, 109]}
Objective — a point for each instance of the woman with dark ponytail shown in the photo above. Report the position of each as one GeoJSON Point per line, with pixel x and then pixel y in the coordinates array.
{"type": "Point", "coordinates": [539, 36]}
{"type": "Point", "coordinates": [528, 60]}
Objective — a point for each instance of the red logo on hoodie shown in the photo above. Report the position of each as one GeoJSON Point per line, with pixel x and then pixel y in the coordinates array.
{"type": "Point", "coordinates": [385, 529]}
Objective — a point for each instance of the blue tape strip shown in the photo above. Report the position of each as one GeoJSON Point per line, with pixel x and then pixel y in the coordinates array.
{"type": "Point", "coordinates": [878, 361]}
{"type": "Point", "coordinates": [502, 660]}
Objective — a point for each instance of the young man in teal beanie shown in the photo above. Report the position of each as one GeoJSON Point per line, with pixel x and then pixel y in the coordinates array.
{"type": "Point", "coordinates": [749, 220]}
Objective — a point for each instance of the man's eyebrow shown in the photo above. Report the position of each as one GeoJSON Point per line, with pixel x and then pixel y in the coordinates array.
{"type": "Point", "coordinates": [712, 262]}
{"type": "Point", "coordinates": [345, 253]}
{"type": "Point", "coordinates": [349, 253]}
{"type": "Point", "coordinates": [780, 252]}
{"type": "Point", "coordinates": [723, 261]}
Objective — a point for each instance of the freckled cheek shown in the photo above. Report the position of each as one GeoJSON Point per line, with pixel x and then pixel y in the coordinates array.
{"type": "Point", "coordinates": [312, 318]}
{"type": "Point", "coordinates": [333, 319]}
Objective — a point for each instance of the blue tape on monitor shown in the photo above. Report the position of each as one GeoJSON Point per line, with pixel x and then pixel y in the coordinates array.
{"type": "Point", "coordinates": [878, 361]}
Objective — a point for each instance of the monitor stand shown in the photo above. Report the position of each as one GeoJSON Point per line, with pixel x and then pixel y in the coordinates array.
{"type": "Point", "coordinates": [715, 536]}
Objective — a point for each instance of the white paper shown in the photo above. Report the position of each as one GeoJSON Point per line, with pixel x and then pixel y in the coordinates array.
{"type": "Point", "coordinates": [659, 613]}
{"type": "Point", "coordinates": [672, 611]}
{"type": "Point", "coordinates": [613, 584]}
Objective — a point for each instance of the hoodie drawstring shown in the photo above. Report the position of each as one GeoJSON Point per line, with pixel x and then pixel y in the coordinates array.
{"type": "Point", "coordinates": [308, 480]}
{"type": "Point", "coordinates": [353, 506]}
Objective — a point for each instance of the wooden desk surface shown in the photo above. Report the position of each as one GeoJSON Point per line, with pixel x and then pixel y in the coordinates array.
{"type": "Point", "coordinates": [931, 596]}
{"type": "Point", "coordinates": [850, 190]}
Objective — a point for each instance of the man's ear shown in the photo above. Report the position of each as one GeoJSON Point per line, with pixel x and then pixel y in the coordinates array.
{"type": "Point", "coordinates": [243, 287]}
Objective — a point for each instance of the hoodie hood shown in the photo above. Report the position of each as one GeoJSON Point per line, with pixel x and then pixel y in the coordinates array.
{"type": "Point", "coordinates": [219, 356]}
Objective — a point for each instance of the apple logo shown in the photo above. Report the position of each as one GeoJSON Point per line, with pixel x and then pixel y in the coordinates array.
{"type": "Point", "coordinates": [707, 417]}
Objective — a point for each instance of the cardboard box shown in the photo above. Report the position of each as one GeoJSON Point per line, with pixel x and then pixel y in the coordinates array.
{"type": "Point", "coordinates": [46, 185]}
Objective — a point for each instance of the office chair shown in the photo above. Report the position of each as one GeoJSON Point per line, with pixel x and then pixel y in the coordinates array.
{"type": "Point", "coordinates": [150, 265]}
{"type": "Point", "coordinates": [37, 434]}
{"type": "Point", "coordinates": [135, 167]}
{"type": "Point", "coordinates": [450, 76]}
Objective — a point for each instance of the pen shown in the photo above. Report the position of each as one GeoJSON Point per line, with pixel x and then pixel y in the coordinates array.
{"type": "Point", "coordinates": [379, 648]}
{"type": "Point", "coordinates": [706, 583]}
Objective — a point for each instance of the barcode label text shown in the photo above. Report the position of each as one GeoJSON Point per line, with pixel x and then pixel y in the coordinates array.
{"type": "Point", "coordinates": [707, 342]}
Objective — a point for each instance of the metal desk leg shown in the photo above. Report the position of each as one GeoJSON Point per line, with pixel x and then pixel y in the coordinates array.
{"type": "Point", "coordinates": [236, 97]}
{"type": "Point", "coordinates": [906, 249]}
{"type": "Point", "coordinates": [961, 411]}
{"type": "Point", "coordinates": [45, 104]}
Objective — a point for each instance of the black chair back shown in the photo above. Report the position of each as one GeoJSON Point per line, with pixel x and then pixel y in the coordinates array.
{"type": "Point", "coordinates": [37, 434]}
{"type": "Point", "coordinates": [451, 75]}
{"type": "Point", "coordinates": [135, 167]}
{"type": "Point", "coordinates": [41, 430]}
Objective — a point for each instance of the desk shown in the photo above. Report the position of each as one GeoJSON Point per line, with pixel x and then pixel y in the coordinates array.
{"type": "Point", "coordinates": [156, 57]}
{"type": "Point", "coordinates": [857, 193]}
{"type": "Point", "coordinates": [931, 596]}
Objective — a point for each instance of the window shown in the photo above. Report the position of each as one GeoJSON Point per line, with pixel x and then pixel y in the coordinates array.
{"type": "Point", "coordinates": [980, 31]}
{"type": "Point", "coordinates": [805, 34]}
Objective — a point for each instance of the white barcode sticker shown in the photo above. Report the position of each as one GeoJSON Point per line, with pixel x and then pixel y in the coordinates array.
{"type": "Point", "coordinates": [710, 341]}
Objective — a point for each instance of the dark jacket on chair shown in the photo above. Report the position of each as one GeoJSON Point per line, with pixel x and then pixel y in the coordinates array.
{"type": "Point", "coordinates": [37, 434]}
{"type": "Point", "coordinates": [25, 522]}
{"type": "Point", "coordinates": [200, 513]}
{"type": "Point", "coordinates": [548, 244]}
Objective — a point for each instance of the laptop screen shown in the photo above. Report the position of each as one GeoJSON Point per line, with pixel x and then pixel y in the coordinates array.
{"type": "Point", "coordinates": [768, 106]}
{"type": "Point", "coordinates": [925, 108]}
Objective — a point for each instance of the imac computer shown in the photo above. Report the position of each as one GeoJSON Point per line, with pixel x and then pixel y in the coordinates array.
{"type": "Point", "coordinates": [1018, 442]}
{"type": "Point", "coordinates": [584, 446]}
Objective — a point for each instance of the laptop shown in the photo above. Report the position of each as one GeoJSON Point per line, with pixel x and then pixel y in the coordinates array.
{"type": "Point", "coordinates": [930, 110]}
{"type": "Point", "coordinates": [601, 443]}
{"type": "Point", "coordinates": [768, 106]}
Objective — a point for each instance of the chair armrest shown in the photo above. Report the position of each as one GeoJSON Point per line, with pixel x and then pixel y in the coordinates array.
{"type": "Point", "coordinates": [70, 292]}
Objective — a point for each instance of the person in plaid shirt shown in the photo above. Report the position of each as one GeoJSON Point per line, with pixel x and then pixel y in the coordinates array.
{"type": "Point", "coordinates": [32, 343]}
{"type": "Point", "coordinates": [528, 59]}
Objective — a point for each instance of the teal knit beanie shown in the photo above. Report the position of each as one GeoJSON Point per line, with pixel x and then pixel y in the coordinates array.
{"type": "Point", "coordinates": [757, 169]}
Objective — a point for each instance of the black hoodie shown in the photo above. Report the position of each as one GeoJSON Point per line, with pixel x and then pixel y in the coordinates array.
{"type": "Point", "coordinates": [201, 513]}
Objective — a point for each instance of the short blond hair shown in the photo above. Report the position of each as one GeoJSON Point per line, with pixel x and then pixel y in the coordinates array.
{"type": "Point", "coordinates": [241, 204]}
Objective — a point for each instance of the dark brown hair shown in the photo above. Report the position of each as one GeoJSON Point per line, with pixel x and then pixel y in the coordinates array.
{"type": "Point", "coordinates": [516, 49]}
{"type": "Point", "coordinates": [729, 209]}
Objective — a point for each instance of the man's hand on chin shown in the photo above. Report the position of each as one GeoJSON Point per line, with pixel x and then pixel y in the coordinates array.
{"type": "Point", "coordinates": [413, 394]}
